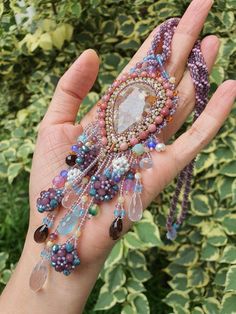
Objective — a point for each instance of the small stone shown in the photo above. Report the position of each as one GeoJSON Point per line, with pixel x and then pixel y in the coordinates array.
{"type": "Point", "coordinates": [146, 163]}
{"type": "Point", "coordinates": [41, 234]}
{"type": "Point", "coordinates": [138, 149]}
{"type": "Point", "coordinates": [70, 160]}
{"type": "Point", "coordinates": [38, 275]}
{"type": "Point", "coordinates": [116, 228]}
{"type": "Point", "coordinates": [160, 147]}
{"type": "Point", "coordinates": [93, 210]}
{"type": "Point", "coordinates": [135, 210]}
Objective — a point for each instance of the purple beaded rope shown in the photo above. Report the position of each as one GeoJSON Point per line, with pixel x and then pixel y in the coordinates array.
{"type": "Point", "coordinates": [198, 71]}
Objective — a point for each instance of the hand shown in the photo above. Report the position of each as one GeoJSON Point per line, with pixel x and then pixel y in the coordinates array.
{"type": "Point", "coordinates": [58, 132]}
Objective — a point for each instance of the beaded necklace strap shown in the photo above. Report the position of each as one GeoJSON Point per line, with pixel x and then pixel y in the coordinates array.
{"type": "Point", "coordinates": [108, 158]}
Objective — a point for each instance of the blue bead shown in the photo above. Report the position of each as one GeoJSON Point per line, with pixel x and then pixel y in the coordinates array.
{"type": "Point", "coordinates": [82, 138]}
{"type": "Point", "coordinates": [151, 143]}
{"type": "Point", "coordinates": [66, 272]}
{"type": "Point", "coordinates": [53, 264]}
{"type": "Point", "coordinates": [107, 198]}
{"type": "Point", "coordinates": [92, 192]}
{"type": "Point", "coordinates": [81, 212]}
{"type": "Point", "coordinates": [138, 188]}
{"type": "Point", "coordinates": [122, 213]}
{"type": "Point", "coordinates": [115, 187]}
{"type": "Point", "coordinates": [93, 178]}
{"type": "Point", "coordinates": [79, 160]}
{"type": "Point", "coordinates": [75, 148]}
{"type": "Point", "coordinates": [76, 261]}
{"type": "Point", "coordinates": [117, 179]}
{"type": "Point", "coordinates": [176, 226]}
{"type": "Point", "coordinates": [132, 70]}
{"type": "Point", "coordinates": [55, 248]}
{"type": "Point", "coordinates": [69, 247]}
{"type": "Point", "coordinates": [116, 212]}
{"type": "Point", "coordinates": [171, 234]}
{"type": "Point", "coordinates": [85, 148]}
{"type": "Point", "coordinates": [130, 176]}
{"type": "Point", "coordinates": [53, 203]}
{"type": "Point", "coordinates": [64, 173]}
{"type": "Point", "coordinates": [107, 173]}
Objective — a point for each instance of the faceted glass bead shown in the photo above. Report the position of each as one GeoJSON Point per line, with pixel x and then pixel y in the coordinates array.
{"type": "Point", "coordinates": [135, 210]}
{"type": "Point", "coordinates": [39, 275]}
{"type": "Point", "coordinates": [68, 223]}
{"type": "Point", "coordinates": [116, 228]}
{"type": "Point", "coordinates": [131, 105]}
{"type": "Point", "coordinates": [69, 199]}
{"type": "Point", "coordinates": [146, 163]}
{"type": "Point", "coordinates": [41, 234]}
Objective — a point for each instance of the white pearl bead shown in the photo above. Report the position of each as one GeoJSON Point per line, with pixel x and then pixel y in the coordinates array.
{"type": "Point", "coordinates": [160, 147]}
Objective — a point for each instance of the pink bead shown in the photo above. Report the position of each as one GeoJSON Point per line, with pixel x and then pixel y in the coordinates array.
{"type": "Point", "coordinates": [144, 73]}
{"type": "Point", "coordinates": [103, 132]}
{"type": "Point", "coordinates": [103, 106]}
{"type": "Point", "coordinates": [143, 135]}
{"type": "Point", "coordinates": [101, 114]}
{"type": "Point", "coordinates": [104, 140]}
{"type": "Point", "coordinates": [101, 122]}
{"type": "Point", "coordinates": [124, 146]}
{"type": "Point", "coordinates": [169, 93]}
{"type": "Point", "coordinates": [168, 103]}
{"type": "Point", "coordinates": [153, 75]}
{"type": "Point", "coordinates": [115, 84]}
{"type": "Point", "coordinates": [134, 141]}
{"type": "Point", "coordinates": [134, 75]}
{"type": "Point", "coordinates": [58, 182]}
{"type": "Point", "coordinates": [165, 111]}
{"type": "Point", "coordinates": [166, 85]}
{"type": "Point", "coordinates": [160, 80]}
{"type": "Point", "coordinates": [105, 98]}
{"type": "Point", "coordinates": [158, 119]}
{"type": "Point", "coordinates": [152, 128]}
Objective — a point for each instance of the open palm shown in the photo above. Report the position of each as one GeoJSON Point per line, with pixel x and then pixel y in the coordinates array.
{"type": "Point", "coordinates": [58, 130]}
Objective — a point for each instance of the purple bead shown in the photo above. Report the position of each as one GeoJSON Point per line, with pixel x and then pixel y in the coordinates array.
{"type": "Point", "coordinates": [128, 185]}
{"type": "Point", "coordinates": [64, 173]}
{"type": "Point", "coordinates": [97, 185]}
{"type": "Point", "coordinates": [69, 257]}
{"type": "Point", "coordinates": [74, 148]}
{"type": "Point", "coordinates": [45, 201]}
{"type": "Point", "coordinates": [61, 252]}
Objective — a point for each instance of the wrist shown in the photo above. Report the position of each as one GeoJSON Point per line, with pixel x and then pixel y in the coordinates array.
{"type": "Point", "coordinates": [60, 294]}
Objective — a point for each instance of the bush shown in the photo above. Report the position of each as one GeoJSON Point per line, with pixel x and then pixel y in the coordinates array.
{"type": "Point", "coordinates": [39, 40]}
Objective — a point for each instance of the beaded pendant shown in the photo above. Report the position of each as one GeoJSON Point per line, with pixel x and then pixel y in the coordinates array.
{"type": "Point", "coordinates": [108, 159]}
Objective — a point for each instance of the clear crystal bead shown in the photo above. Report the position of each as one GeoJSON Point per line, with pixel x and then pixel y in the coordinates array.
{"type": "Point", "coordinates": [69, 199]}
{"type": "Point", "coordinates": [39, 275]}
{"type": "Point", "coordinates": [135, 210]}
{"type": "Point", "coordinates": [146, 163]}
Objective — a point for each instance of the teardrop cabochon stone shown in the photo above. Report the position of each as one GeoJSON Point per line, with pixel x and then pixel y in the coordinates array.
{"type": "Point", "coordinates": [39, 275]}
{"type": "Point", "coordinates": [133, 104]}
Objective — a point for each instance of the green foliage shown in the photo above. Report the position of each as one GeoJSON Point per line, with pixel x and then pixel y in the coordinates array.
{"type": "Point", "coordinates": [36, 49]}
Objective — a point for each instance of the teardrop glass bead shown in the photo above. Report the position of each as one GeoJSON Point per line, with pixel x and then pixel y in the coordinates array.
{"type": "Point", "coordinates": [39, 275]}
{"type": "Point", "coordinates": [68, 223]}
{"type": "Point", "coordinates": [116, 228]}
{"type": "Point", "coordinates": [69, 199]}
{"type": "Point", "coordinates": [41, 234]}
{"type": "Point", "coordinates": [135, 210]}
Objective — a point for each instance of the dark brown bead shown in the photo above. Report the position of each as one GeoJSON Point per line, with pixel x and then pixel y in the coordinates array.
{"type": "Point", "coordinates": [41, 234]}
{"type": "Point", "coordinates": [116, 228]}
{"type": "Point", "coordinates": [70, 160]}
